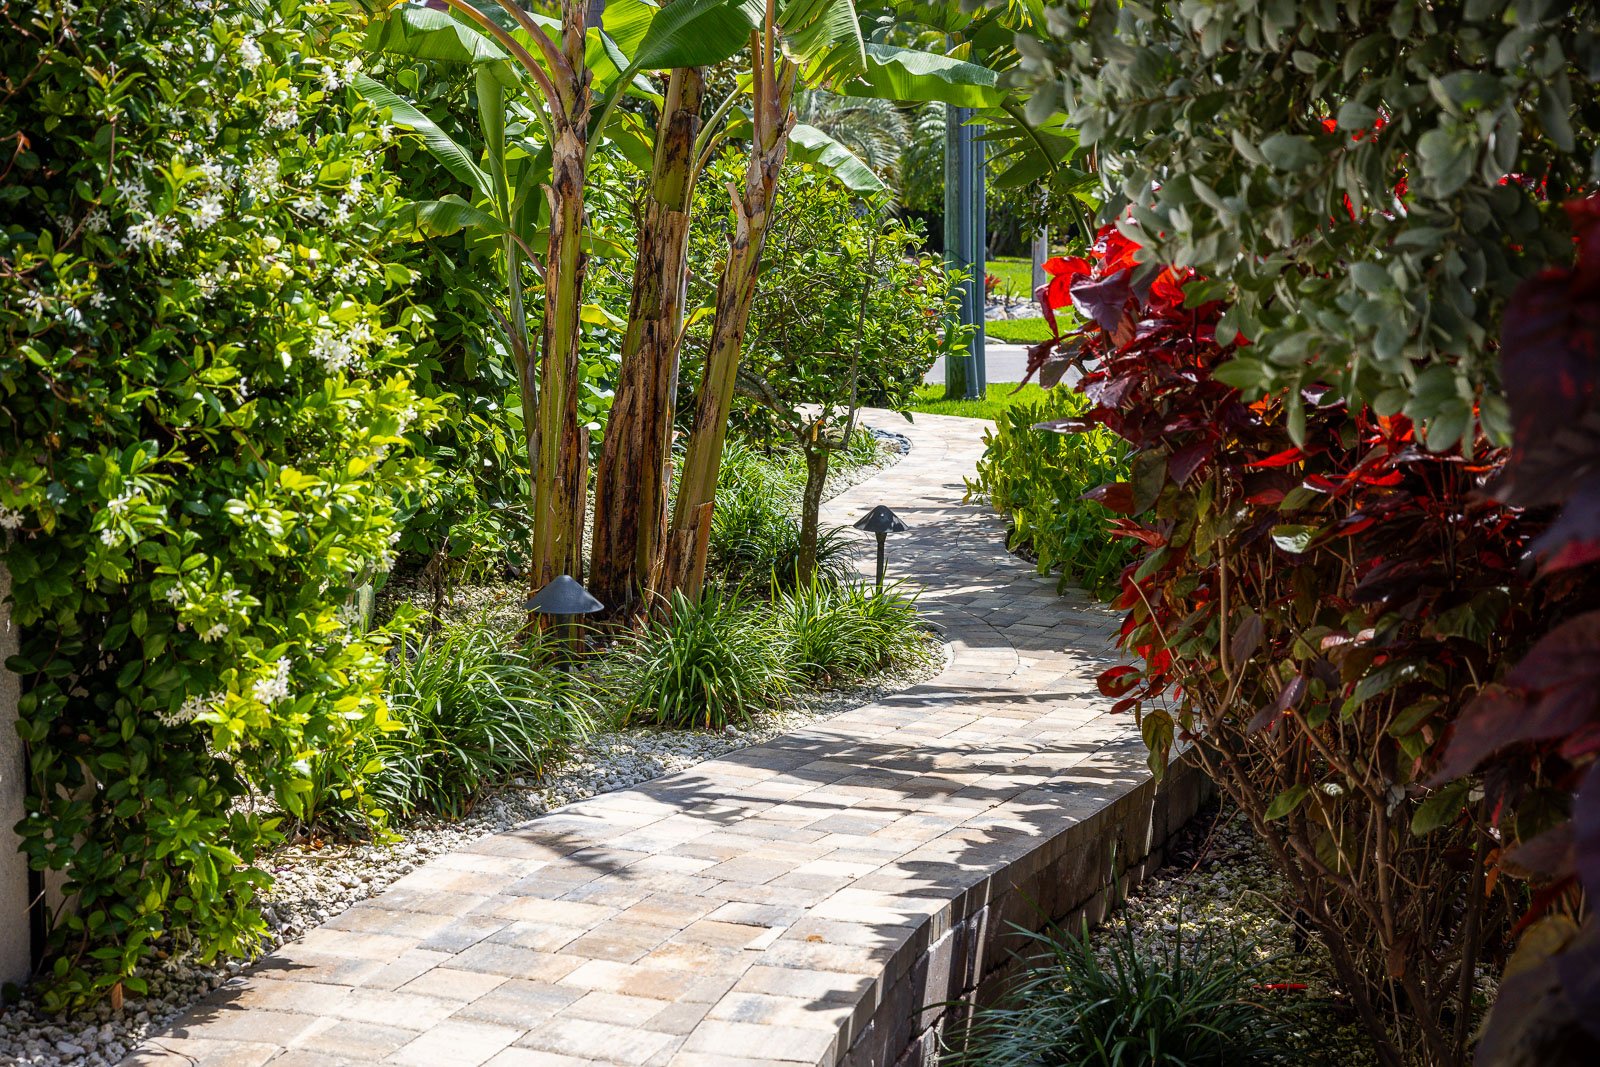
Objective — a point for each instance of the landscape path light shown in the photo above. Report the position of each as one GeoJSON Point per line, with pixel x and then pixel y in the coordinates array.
{"type": "Point", "coordinates": [563, 599]}
{"type": "Point", "coordinates": [881, 521]}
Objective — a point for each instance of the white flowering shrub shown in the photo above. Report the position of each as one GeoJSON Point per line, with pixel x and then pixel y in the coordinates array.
{"type": "Point", "coordinates": [203, 453]}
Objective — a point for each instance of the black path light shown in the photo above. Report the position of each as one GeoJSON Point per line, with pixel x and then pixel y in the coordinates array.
{"type": "Point", "coordinates": [881, 521]}
{"type": "Point", "coordinates": [563, 598]}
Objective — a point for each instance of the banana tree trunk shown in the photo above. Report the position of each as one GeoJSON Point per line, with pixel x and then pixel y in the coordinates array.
{"type": "Point", "coordinates": [630, 496]}
{"type": "Point", "coordinates": [690, 534]}
{"type": "Point", "coordinates": [561, 452]}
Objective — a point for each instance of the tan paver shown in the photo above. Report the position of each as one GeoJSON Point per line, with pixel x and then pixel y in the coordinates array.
{"type": "Point", "coordinates": [750, 910]}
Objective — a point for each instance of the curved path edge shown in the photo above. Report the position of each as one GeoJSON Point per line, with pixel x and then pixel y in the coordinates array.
{"type": "Point", "coordinates": [829, 897]}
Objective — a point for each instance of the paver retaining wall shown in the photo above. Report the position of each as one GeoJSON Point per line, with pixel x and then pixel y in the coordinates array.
{"type": "Point", "coordinates": [965, 955]}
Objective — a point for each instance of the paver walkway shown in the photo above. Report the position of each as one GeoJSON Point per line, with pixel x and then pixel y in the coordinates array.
{"type": "Point", "coordinates": [744, 911]}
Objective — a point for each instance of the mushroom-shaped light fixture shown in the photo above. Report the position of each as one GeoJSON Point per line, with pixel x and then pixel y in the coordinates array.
{"type": "Point", "coordinates": [563, 595]}
{"type": "Point", "coordinates": [563, 598]}
{"type": "Point", "coordinates": [881, 521]}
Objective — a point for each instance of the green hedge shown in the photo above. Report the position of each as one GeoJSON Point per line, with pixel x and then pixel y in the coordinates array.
{"type": "Point", "coordinates": [1038, 478]}
{"type": "Point", "coordinates": [204, 412]}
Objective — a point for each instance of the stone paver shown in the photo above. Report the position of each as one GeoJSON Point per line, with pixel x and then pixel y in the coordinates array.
{"type": "Point", "coordinates": [753, 909]}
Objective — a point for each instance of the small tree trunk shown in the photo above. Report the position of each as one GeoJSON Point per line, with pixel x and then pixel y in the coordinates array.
{"type": "Point", "coordinates": [817, 454]}
{"type": "Point", "coordinates": [631, 480]}
{"type": "Point", "coordinates": [773, 118]}
{"type": "Point", "coordinates": [560, 474]}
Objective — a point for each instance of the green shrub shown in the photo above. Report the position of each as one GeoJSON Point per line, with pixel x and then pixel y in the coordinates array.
{"type": "Point", "coordinates": [471, 709]}
{"type": "Point", "coordinates": [705, 663]}
{"type": "Point", "coordinates": [755, 534]}
{"type": "Point", "coordinates": [1127, 1007]}
{"type": "Point", "coordinates": [206, 413]}
{"type": "Point", "coordinates": [843, 631]}
{"type": "Point", "coordinates": [1038, 478]}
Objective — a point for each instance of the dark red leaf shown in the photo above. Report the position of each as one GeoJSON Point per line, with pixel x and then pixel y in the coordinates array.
{"type": "Point", "coordinates": [1118, 681]}
{"type": "Point", "coordinates": [1105, 301]}
{"type": "Point", "coordinates": [1279, 459]}
{"type": "Point", "coordinates": [1118, 496]}
{"type": "Point", "coordinates": [1246, 639]}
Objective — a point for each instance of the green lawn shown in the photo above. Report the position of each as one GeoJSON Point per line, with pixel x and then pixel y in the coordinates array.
{"type": "Point", "coordinates": [930, 399]}
{"type": "Point", "coordinates": [1018, 331]}
{"type": "Point", "coordinates": [1015, 274]}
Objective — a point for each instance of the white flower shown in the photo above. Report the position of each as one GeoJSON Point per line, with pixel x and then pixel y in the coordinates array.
{"type": "Point", "coordinates": [250, 53]}
{"type": "Point", "coordinates": [110, 538]}
{"type": "Point", "coordinates": [283, 118]}
{"type": "Point", "coordinates": [208, 212]}
{"type": "Point", "coordinates": [190, 710]}
{"type": "Point", "coordinates": [331, 78]}
{"type": "Point", "coordinates": [158, 235]}
{"type": "Point", "coordinates": [99, 300]}
{"type": "Point", "coordinates": [10, 518]}
{"type": "Point", "coordinates": [36, 304]}
{"type": "Point", "coordinates": [214, 632]}
{"type": "Point", "coordinates": [385, 132]}
{"type": "Point", "coordinates": [71, 316]}
{"type": "Point", "coordinates": [311, 206]}
{"type": "Point", "coordinates": [118, 505]}
{"type": "Point", "coordinates": [96, 221]}
{"type": "Point", "coordinates": [133, 194]}
{"type": "Point", "coordinates": [175, 596]}
{"type": "Point", "coordinates": [261, 178]}
{"type": "Point", "coordinates": [274, 687]}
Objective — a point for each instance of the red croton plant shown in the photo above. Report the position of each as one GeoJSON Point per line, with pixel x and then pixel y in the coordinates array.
{"type": "Point", "coordinates": [1330, 624]}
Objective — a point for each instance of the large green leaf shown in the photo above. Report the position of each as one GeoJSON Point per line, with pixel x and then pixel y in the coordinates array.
{"type": "Point", "coordinates": [807, 144]}
{"type": "Point", "coordinates": [429, 34]}
{"type": "Point", "coordinates": [696, 33]}
{"type": "Point", "coordinates": [686, 33]}
{"type": "Point", "coordinates": [905, 74]}
{"type": "Point", "coordinates": [461, 164]}
{"type": "Point", "coordinates": [443, 217]}
{"type": "Point", "coordinates": [825, 37]}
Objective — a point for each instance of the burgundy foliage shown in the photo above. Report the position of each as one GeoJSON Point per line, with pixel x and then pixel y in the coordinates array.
{"type": "Point", "coordinates": [1323, 607]}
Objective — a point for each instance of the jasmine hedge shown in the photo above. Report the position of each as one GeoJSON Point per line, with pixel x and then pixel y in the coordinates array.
{"type": "Point", "coordinates": [203, 448]}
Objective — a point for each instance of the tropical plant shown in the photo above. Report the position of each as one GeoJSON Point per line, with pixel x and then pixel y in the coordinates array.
{"type": "Point", "coordinates": [837, 631]}
{"type": "Point", "coordinates": [1534, 732]}
{"type": "Point", "coordinates": [815, 354]}
{"type": "Point", "coordinates": [471, 708]}
{"type": "Point", "coordinates": [1039, 479]}
{"type": "Point", "coordinates": [543, 103]}
{"type": "Point", "coordinates": [874, 130]}
{"type": "Point", "coordinates": [706, 663]}
{"type": "Point", "coordinates": [1323, 613]}
{"type": "Point", "coordinates": [825, 40]}
{"type": "Point", "coordinates": [205, 420]}
{"type": "Point", "coordinates": [1125, 1005]}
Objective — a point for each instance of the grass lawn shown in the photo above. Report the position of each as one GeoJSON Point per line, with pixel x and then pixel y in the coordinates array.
{"type": "Point", "coordinates": [1015, 274]}
{"type": "Point", "coordinates": [930, 399]}
{"type": "Point", "coordinates": [1018, 331]}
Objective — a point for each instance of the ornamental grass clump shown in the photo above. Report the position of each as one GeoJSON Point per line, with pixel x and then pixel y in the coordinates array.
{"type": "Point", "coordinates": [705, 663]}
{"type": "Point", "coordinates": [837, 632]}
{"type": "Point", "coordinates": [755, 535]}
{"type": "Point", "coordinates": [472, 708]}
{"type": "Point", "coordinates": [1127, 1006]}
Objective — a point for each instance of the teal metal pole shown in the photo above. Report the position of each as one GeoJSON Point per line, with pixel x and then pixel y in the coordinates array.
{"type": "Point", "coordinates": [965, 241]}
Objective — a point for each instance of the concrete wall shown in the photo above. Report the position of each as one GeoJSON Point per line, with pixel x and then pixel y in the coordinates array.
{"type": "Point", "coordinates": [14, 939]}
{"type": "Point", "coordinates": [964, 956]}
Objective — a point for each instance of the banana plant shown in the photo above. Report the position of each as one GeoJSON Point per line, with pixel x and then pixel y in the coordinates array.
{"type": "Point", "coordinates": [819, 41]}
{"type": "Point", "coordinates": [547, 92]}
